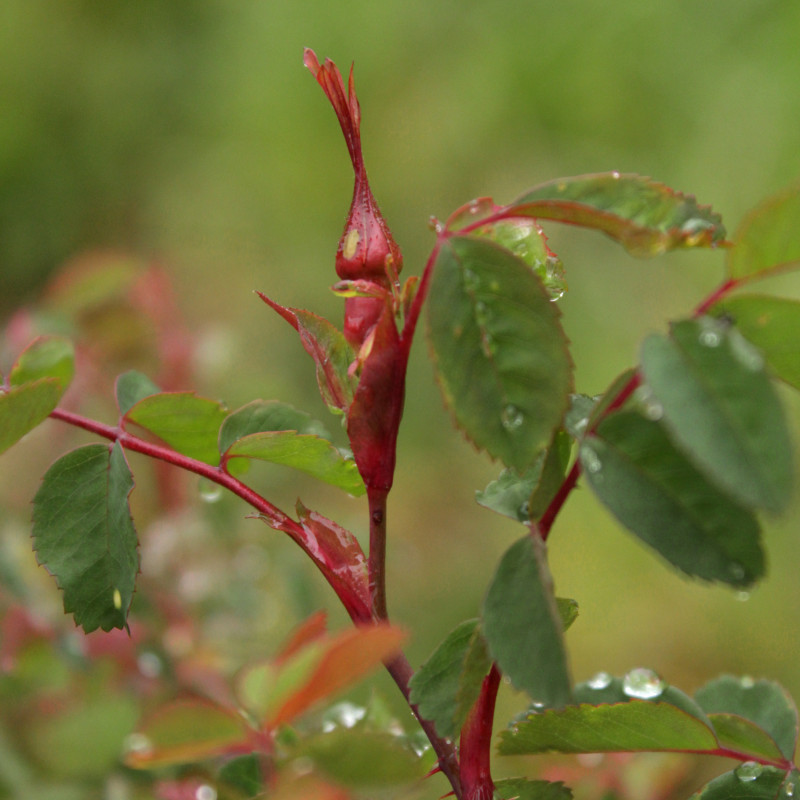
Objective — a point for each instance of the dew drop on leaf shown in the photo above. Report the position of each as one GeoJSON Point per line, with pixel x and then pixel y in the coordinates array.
{"type": "Point", "coordinates": [511, 417]}
{"type": "Point", "coordinates": [205, 792]}
{"type": "Point", "coordinates": [642, 684]}
{"type": "Point", "coordinates": [788, 789]}
{"type": "Point", "coordinates": [590, 459]}
{"type": "Point", "coordinates": [748, 771]}
{"type": "Point", "coordinates": [210, 492]}
{"type": "Point", "coordinates": [599, 681]}
{"type": "Point", "coordinates": [747, 682]}
{"type": "Point", "coordinates": [138, 743]}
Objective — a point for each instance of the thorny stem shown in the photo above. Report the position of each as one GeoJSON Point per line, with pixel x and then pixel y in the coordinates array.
{"type": "Point", "coordinates": [476, 741]}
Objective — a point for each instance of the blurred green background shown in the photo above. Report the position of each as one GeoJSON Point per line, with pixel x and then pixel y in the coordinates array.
{"type": "Point", "coordinates": [188, 132]}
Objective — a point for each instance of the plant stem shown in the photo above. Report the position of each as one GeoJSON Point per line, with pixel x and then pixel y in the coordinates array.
{"type": "Point", "coordinates": [476, 742]}
{"type": "Point", "coordinates": [377, 552]}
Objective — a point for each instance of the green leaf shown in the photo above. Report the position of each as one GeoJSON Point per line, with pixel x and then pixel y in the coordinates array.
{"type": "Point", "coordinates": [500, 353]}
{"type": "Point", "coordinates": [83, 534]}
{"type": "Point", "coordinates": [510, 493]}
{"type": "Point", "coordinates": [131, 387]}
{"type": "Point", "coordinates": [187, 423]}
{"type": "Point", "coordinates": [522, 625]}
{"type": "Point", "coordinates": [768, 237]}
{"type": "Point", "coordinates": [281, 434]}
{"type": "Point", "coordinates": [772, 324]}
{"type": "Point", "coordinates": [244, 773]}
{"type": "Point", "coordinates": [184, 732]}
{"type": "Point", "coordinates": [24, 407]}
{"type": "Point", "coordinates": [739, 735]}
{"type": "Point", "coordinates": [632, 726]}
{"type": "Point", "coordinates": [646, 217]}
{"type": "Point", "coordinates": [654, 491]}
{"type": "Point", "coordinates": [522, 789]}
{"type": "Point", "coordinates": [750, 781]}
{"type": "Point", "coordinates": [762, 702]}
{"type": "Point", "coordinates": [720, 407]}
{"type": "Point", "coordinates": [447, 685]}
{"type": "Point", "coordinates": [45, 357]}
{"type": "Point", "coordinates": [576, 420]}
{"type": "Point", "coordinates": [364, 758]}
{"type": "Point", "coordinates": [568, 611]}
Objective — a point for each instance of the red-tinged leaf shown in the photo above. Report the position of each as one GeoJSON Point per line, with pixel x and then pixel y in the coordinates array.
{"type": "Point", "coordinates": [473, 212]}
{"type": "Point", "coordinates": [308, 631]}
{"type": "Point", "coordinates": [374, 416]}
{"type": "Point", "coordinates": [646, 217]}
{"type": "Point", "coordinates": [45, 357]}
{"type": "Point", "coordinates": [184, 732]}
{"type": "Point", "coordinates": [335, 551]}
{"type": "Point", "coordinates": [767, 238]}
{"type": "Point", "coordinates": [22, 408]}
{"type": "Point", "coordinates": [291, 787]}
{"type": "Point", "coordinates": [347, 658]}
{"type": "Point", "coordinates": [330, 350]}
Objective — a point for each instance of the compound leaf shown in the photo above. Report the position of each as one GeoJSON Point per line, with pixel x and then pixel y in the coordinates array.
{"type": "Point", "coordinates": [83, 534]}
{"type": "Point", "coordinates": [130, 388]}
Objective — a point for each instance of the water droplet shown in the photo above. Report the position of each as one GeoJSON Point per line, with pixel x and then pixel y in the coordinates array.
{"type": "Point", "coordinates": [591, 461]}
{"type": "Point", "coordinates": [653, 410]}
{"type": "Point", "coordinates": [615, 175]}
{"type": "Point", "coordinates": [788, 789]}
{"type": "Point", "coordinates": [474, 207]}
{"type": "Point", "coordinates": [210, 492]}
{"type": "Point", "coordinates": [524, 511]}
{"type": "Point", "coordinates": [149, 664]}
{"type": "Point", "coordinates": [342, 715]}
{"type": "Point", "coordinates": [709, 338]}
{"type": "Point", "coordinates": [742, 597]}
{"type": "Point", "coordinates": [747, 682]}
{"type": "Point", "coordinates": [512, 418]}
{"type": "Point", "coordinates": [602, 680]}
{"type": "Point", "coordinates": [536, 705]}
{"type": "Point", "coordinates": [642, 684]}
{"type": "Point", "coordinates": [748, 771]}
{"type": "Point", "coordinates": [435, 225]}
{"type": "Point", "coordinates": [205, 792]}
{"type": "Point", "coordinates": [138, 743]}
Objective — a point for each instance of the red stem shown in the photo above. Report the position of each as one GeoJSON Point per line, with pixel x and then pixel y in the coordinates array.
{"type": "Point", "coordinates": [377, 552]}
{"type": "Point", "coordinates": [476, 741]}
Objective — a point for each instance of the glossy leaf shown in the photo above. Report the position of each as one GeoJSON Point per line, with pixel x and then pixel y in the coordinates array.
{"type": "Point", "coordinates": [363, 758]}
{"type": "Point", "coordinates": [277, 692]}
{"type": "Point", "coordinates": [278, 433]}
{"type": "Point", "coordinates": [721, 409]}
{"type": "Point", "coordinates": [83, 534]}
{"type": "Point", "coordinates": [187, 423]}
{"type": "Point", "coordinates": [767, 237]}
{"type": "Point", "coordinates": [500, 353]}
{"type": "Point", "coordinates": [654, 491]}
{"type": "Point", "coordinates": [522, 789]}
{"type": "Point", "coordinates": [646, 217]}
{"type": "Point", "coordinates": [762, 702]}
{"type": "Point", "coordinates": [331, 352]}
{"type": "Point", "coordinates": [509, 494]}
{"type": "Point", "coordinates": [22, 408]}
{"type": "Point", "coordinates": [185, 732]}
{"type": "Point", "coordinates": [130, 388]}
{"type": "Point", "coordinates": [45, 357]}
{"type": "Point", "coordinates": [772, 324]}
{"type": "Point", "coordinates": [522, 625]}
{"type": "Point", "coordinates": [576, 420]}
{"type": "Point", "coordinates": [739, 735]}
{"type": "Point", "coordinates": [447, 685]}
{"type": "Point", "coordinates": [750, 781]}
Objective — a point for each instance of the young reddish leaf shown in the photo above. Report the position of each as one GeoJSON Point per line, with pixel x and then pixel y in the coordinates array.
{"type": "Point", "coordinates": [501, 356]}
{"type": "Point", "coordinates": [45, 357]}
{"type": "Point", "coordinates": [187, 423]}
{"type": "Point", "coordinates": [22, 408]}
{"type": "Point", "coordinates": [751, 781]}
{"type": "Point", "coordinates": [767, 238]}
{"type": "Point", "coordinates": [762, 702]}
{"type": "Point", "coordinates": [281, 434]}
{"type": "Point", "coordinates": [83, 534]}
{"type": "Point", "coordinates": [652, 489]}
{"type": "Point", "coordinates": [130, 388]}
{"type": "Point", "coordinates": [331, 353]}
{"type": "Point", "coordinates": [772, 324]}
{"type": "Point", "coordinates": [184, 732]}
{"type": "Point", "coordinates": [308, 631]}
{"type": "Point", "coordinates": [522, 625]}
{"type": "Point", "coordinates": [473, 212]}
{"type": "Point", "coordinates": [646, 217]}
{"type": "Point", "coordinates": [720, 407]}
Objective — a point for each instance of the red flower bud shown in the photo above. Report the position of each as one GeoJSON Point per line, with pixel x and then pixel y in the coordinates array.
{"type": "Point", "coordinates": [367, 251]}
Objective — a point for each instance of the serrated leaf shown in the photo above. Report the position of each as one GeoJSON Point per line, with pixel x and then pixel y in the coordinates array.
{"type": "Point", "coordinates": [655, 492]}
{"type": "Point", "coordinates": [739, 735]}
{"type": "Point", "coordinates": [45, 357]}
{"type": "Point", "coordinates": [331, 352]}
{"type": "Point", "coordinates": [762, 702]}
{"type": "Point", "coordinates": [749, 782]}
{"type": "Point", "coordinates": [522, 789]}
{"type": "Point", "coordinates": [646, 217]}
{"type": "Point", "coordinates": [522, 625]}
{"type": "Point", "coordinates": [278, 433]}
{"type": "Point", "coordinates": [187, 423]}
{"type": "Point", "coordinates": [130, 388]}
{"type": "Point", "coordinates": [83, 534]}
{"type": "Point", "coordinates": [500, 353]}
{"type": "Point", "coordinates": [767, 237]}
{"type": "Point", "coordinates": [721, 409]}
{"type": "Point", "coordinates": [632, 726]}
{"type": "Point", "coordinates": [448, 683]}
{"type": "Point", "coordinates": [185, 732]}
{"type": "Point", "coordinates": [772, 324]}
{"type": "Point", "coordinates": [363, 758]}
{"type": "Point", "coordinates": [22, 408]}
